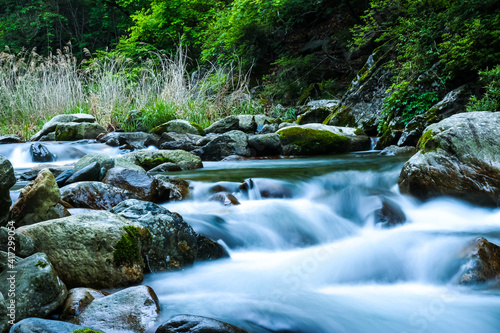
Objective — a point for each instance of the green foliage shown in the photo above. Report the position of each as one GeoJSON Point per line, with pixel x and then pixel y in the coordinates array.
{"type": "Point", "coordinates": [41, 264]}
{"type": "Point", "coordinates": [490, 101]}
{"type": "Point", "coordinates": [86, 330]}
{"type": "Point", "coordinates": [127, 249]}
{"type": "Point", "coordinates": [406, 101]}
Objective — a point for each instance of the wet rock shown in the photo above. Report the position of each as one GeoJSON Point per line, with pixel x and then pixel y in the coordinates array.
{"type": "Point", "coordinates": [38, 201]}
{"type": "Point", "coordinates": [178, 126]}
{"type": "Point", "coordinates": [62, 178]}
{"type": "Point", "coordinates": [209, 250]}
{"type": "Point", "coordinates": [103, 161]}
{"type": "Point", "coordinates": [4, 320]}
{"type": "Point", "coordinates": [187, 139]}
{"type": "Point", "coordinates": [133, 310]}
{"type": "Point", "coordinates": [121, 163]}
{"type": "Point", "coordinates": [390, 214]}
{"type": "Point", "coordinates": [227, 124]}
{"type": "Point", "coordinates": [10, 138]}
{"type": "Point", "coordinates": [247, 123]}
{"type": "Point", "coordinates": [91, 172]}
{"type": "Point", "coordinates": [149, 159]}
{"type": "Point", "coordinates": [180, 144]}
{"type": "Point", "coordinates": [267, 188]}
{"type": "Point", "coordinates": [94, 195]}
{"type": "Point", "coordinates": [174, 243]}
{"type": "Point", "coordinates": [197, 324]}
{"type": "Point", "coordinates": [40, 153]}
{"type": "Point", "coordinates": [395, 150]}
{"type": "Point", "coordinates": [166, 167]}
{"type": "Point", "coordinates": [230, 143]}
{"type": "Point", "coordinates": [78, 299]}
{"type": "Point", "coordinates": [483, 262]}
{"type": "Point", "coordinates": [51, 125]}
{"type": "Point", "coordinates": [265, 144]}
{"type": "Point", "coordinates": [7, 180]}
{"type": "Point", "coordinates": [227, 199]}
{"type": "Point", "coordinates": [78, 131]}
{"type": "Point", "coordinates": [457, 157]}
{"type": "Point", "coordinates": [37, 325]}
{"type": "Point", "coordinates": [37, 282]}
{"type": "Point", "coordinates": [142, 185]}
{"type": "Point", "coordinates": [135, 140]}
{"type": "Point", "coordinates": [171, 189]}
{"type": "Point", "coordinates": [33, 173]}
{"type": "Point", "coordinates": [297, 140]}
{"type": "Point", "coordinates": [24, 245]}
{"type": "Point", "coordinates": [96, 249]}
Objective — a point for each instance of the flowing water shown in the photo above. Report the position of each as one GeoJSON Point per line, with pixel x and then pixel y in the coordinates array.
{"type": "Point", "coordinates": [308, 256]}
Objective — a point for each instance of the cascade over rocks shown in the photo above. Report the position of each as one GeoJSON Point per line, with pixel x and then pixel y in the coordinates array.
{"type": "Point", "coordinates": [39, 201]}
{"type": "Point", "coordinates": [7, 180]}
{"type": "Point", "coordinates": [132, 310]}
{"type": "Point", "coordinates": [457, 157]}
{"type": "Point", "coordinates": [95, 249]}
{"type": "Point", "coordinates": [197, 324]}
{"type": "Point", "coordinates": [39, 290]}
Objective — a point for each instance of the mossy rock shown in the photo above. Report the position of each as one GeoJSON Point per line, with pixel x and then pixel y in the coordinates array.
{"type": "Point", "coordinates": [426, 143]}
{"type": "Point", "coordinates": [78, 131]}
{"type": "Point", "coordinates": [314, 116]}
{"type": "Point", "coordinates": [341, 116]}
{"type": "Point", "coordinates": [307, 141]}
{"type": "Point", "coordinates": [178, 126]}
{"type": "Point", "coordinates": [128, 248]}
{"type": "Point", "coordinates": [389, 137]}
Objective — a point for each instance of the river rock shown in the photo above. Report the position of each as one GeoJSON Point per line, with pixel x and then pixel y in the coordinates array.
{"type": "Point", "coordinates": [78, 131]}
{"type": "Point", "coordinates": [178, 126]}
{"type": "Point", "coordinates": [37, 325]}
{"type": "Point", "coordinates": [246, 123]}
{"type": "Point", "coordinates": [165, 167]}
{"type": "Point", "coordinates": [265, 144]}
{"type": "Point", "coordinates": [227, 144]}
{"type": "Point", "coordinates": [24, 245]}
{"type": "Point", "coordinates": [268, 128]}
{"type": "Point", "coordinates": [196, 324]}
{"type": "Point", "coordinates": [457, 157]}
{"type": "Point", "coordinates": [179, 144]}
{"type": "Point", "coordinates": [390, 214]}
{"type": "Point", "coordinates": [227, 124]}
{"type": "Point", "coordinates": [95, 249]}
{"type": "Point", "coordinates": [134, 140]}
{"type": "Point", "coordinates": [142, 185]}
{"type": "Point", "coordinates": [171, 188]}
{"type": "Point", "coordinates": [7, 180]}
{"type": "Point", "coordinates": [51, 125]}
{"type": "Point", "coordinates": [174, 243]}
{"type": "Point", "coordinates": [38, 289]}
{"type": "Point", "coordinates": [227, 199]}
{"type": "Point", "coordinates": [105, 163]}
{"type": "Point", "coordinates": [149, 159]}
{"type": "Point", "coordinates": [483, 262]}
{"type": "Point", "coordinates": [63, 177]}
{"type": "Point", "coordinates": [38, 201]}
{"type": "Point", "coordinates": [395, 150]}
{"type": "Point", "coordinates": [133, 310]}
{"type": "Point", "coordinates": [10, 138]}
{"type": "Point", "coordinates": [209, 250]}
{"type": "Point", "coordinates": [315, 115]}
{"type": "Point", "coordinates": [33, 172]}
{"type": "Point", "coordinates": [40, 153]}
{"type": "Point", "coordinates": [78, 299]}
{"type": "Point", "coordinates": [298, 140]}
{"type": "Point", "coordinates": [94, 195]}
{"type": "Point", "coordinates": [91, 172]}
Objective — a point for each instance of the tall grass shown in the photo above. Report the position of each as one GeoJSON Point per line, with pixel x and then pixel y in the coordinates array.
{"type": "Point", "coordinates": [34, 88]}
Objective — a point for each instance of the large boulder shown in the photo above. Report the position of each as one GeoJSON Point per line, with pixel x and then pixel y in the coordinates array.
{"type": "Point", "coordinates": [227, 124]}
{"type": "Point", "coordinates": [78, 299]}
{"type": "Point", "coordinates": [301, 140]}
{"type": "Point", "coordinates": [247, 123]}
{"type": "Point", "coordinates": [78, 131]}
{"type": "Point", "coordinates": [483, 262]}
{"type": "Point", "coordinates": [178, 126]}
{"type": "Point", "coordinates": [38, 201]}
{"type": "Point", "coordinates": [94, 249]}
{"type": "Point", "coordinates": [37, 287]}
{"type": "Point", "coordinates": [51, 125]}
{"type": "Point", "coordinates": [265, 144]}
{"type": "Point", "coordinates": [7, 180]}
{"type": "Point", "coordinates": [149, 159]}
{"type": "Point", "coordinates": [131, 310]}
{"type": "Point", "coordinates": [174, 243]}
{"type": "Point", "coordinates": [95, 195]}
{"type": "Point", "coordinates": [227, 144]}
{"type": "Point", "coordinates": [196, 324]}
{"type": "Point", "coordinates": [37, 325]}
{"type": "Point", "coordinates": [458, 157]}
{"type": "Point", "coordinates": [142, 185]}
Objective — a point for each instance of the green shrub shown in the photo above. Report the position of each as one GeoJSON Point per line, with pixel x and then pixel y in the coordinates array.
{"type": "Point", "coordinates": [490, 101]}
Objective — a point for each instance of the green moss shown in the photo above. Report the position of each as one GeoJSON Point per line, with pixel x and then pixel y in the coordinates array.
{"type": "Point", "coordinates": [86, 330]}
{"type": "Point", "coordinates": [128, 248]}
{"type": "Point", "coordinates": [309, 141]}
{"type": "Point", "coordinates": [200, 129]}
{"type": "Point", "coordinates": [41, 264]}
{"type": "Point", "coordinates": [359, 131]}
{"type": "Point", "coordinates": [426, 143]}
{"type": "Point", "coordinates": [342, 116]}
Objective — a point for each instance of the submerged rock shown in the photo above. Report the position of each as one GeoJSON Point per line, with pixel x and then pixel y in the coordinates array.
{"type": "Point", "coordinates": [94, 249]}
{"type": "Point", "coordinates": [38, 288]}
{"type": "Point", "coordinates": [38, 201]}
{"type": "Point", "coordinates": [133, 310]}
{"type": "Point", "coordinates": [457, 157]}
{"type": "Point", "coordinates": [390, 214]}
{"type": "Point", "coordinates": [483, 262]}
{"type": "Point", "coordinates": [197, 324]}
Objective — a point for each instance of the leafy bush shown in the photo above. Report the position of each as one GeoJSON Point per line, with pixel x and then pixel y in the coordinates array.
{"type": "Point", "coordinates": [490, 101]}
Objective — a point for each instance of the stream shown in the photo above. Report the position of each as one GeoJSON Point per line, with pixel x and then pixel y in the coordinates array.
{"type": "Point", "coordinates": [308, 256]}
